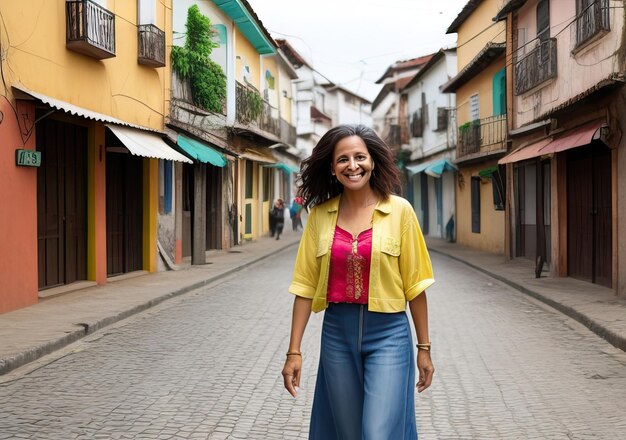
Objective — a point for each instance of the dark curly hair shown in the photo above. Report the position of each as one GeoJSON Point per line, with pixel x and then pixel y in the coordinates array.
{"type": "Point", "coordinates": [316, 183]}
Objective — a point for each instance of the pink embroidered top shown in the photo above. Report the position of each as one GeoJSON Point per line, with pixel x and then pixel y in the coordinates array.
{"type": "Point", "coordinates": [349, 272]}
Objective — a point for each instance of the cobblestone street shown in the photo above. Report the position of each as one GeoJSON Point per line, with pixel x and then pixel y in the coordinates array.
{"type": "Point", "coordinates": [207, 366]}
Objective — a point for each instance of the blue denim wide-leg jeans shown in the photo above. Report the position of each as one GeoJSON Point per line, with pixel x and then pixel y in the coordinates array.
{"type": "Point", "coordinates": [366, 378]}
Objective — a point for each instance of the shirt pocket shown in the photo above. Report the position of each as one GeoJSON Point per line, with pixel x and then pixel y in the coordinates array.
{"type": "Point", "coordinates": [322, 247]}
{"type": "Point", "coordinates": [390, 246]}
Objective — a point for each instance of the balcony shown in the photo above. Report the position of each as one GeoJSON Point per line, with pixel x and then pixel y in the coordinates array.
{"type": "Point", "coordinates": [537, 67]}
{"type": "Point", "coordinates": [288, 133]}
{"type": "Point", "coordinates": [90, 29]}
{"type": "Point", "coordinates": [591, 23]}
{"type": "Point", "coordinates": [252, 109]}
{"type": "Point", "coordinates": [395, 132]}
{"type": "Point", "coordinates": [482, 136]}
{"type": "Point", "coordinates": [151, 45]}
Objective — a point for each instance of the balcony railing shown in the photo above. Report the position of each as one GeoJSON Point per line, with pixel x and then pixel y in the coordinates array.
{"type": "Point", "coordinates": [270, 119]}
{"type": "Point", "coordinates": [252, 109]}
{"type": "Point", "coordinates": [287, 132]}
{"type": "Point", "coordinates": [90, 29]}
{"type": "Point", "coordinates": [537, 67]}
{"type": "Point", "coordinates": [151, 44]}
{"type": "Point", "coordinates": [482, 136]}
{"type": "Point", "coordinates": [591, 21]}
{"type": "Point", "coordinates": [395, 132]}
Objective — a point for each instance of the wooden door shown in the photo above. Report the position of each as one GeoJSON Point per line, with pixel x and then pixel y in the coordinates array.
{"type": "Point", "coordinates": [589, 214]}
{"type": "Point", "coordinates": [61, 203]}
{"type": "Point", "coordinates": [124, 213]}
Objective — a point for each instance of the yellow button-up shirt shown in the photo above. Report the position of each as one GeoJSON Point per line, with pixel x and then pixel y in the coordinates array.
{"type": "Point", "coordinates": [400, 266]}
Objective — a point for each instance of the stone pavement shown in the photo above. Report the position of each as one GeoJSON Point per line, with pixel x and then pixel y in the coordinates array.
{"type": "Point", "coordinates": [596, 307]}
{"type": "Point", "coordinates": [32, 332]}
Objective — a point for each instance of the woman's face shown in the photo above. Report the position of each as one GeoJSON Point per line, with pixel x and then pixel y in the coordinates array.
{"type": "Point", "coordinates": [352, 163]}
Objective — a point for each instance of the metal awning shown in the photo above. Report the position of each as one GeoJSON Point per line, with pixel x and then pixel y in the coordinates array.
{"type": "Point", "coordinates": [258, 156]}
{"type": "Point", "coordinates": [201, 152]}
{"type": "Point", "coordinates": [73, 109]}
{"type": "Point", "coordinates": [526, 152]}
{"type": "Point", "coordinates": [574, 138]}
{"type": "Point", "coordinates": [578, 137]}
{"type": "Point", "coordinates": [142, 143]}
{"type": "Point", "coordinates": [434, 168]}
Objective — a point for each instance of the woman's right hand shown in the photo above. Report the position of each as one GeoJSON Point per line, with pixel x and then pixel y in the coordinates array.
{"type": "Point", "coordinates": [291, 373]}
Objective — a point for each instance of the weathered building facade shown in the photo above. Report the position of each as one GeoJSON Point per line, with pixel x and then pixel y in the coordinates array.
{"type": "Point", "coordinates": [566, 121]}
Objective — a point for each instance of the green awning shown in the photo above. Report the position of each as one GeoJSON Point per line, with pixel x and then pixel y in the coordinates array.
{"type": "Point", "coordinates": [285, 167]}
{"type": "Point", "coordinates": [201, 152]}
{"type": "Point", "coordinates": [487, 172]}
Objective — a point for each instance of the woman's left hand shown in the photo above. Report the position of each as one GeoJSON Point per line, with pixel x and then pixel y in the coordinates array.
{"type": "Point", "coordinates": [426, 370]}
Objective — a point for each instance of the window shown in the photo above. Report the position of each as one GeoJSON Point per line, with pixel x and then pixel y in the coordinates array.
{"type": "Point", "coordinates": [543, 20]}
{"type": "Point", "coordinates": [146, 11]}
{"type": "Point", "coordinates": [416, 124]}
{"type": "Point", "coordinates": [473, 107]}
{"type": "Point", "coordinates": [442, 118]}
{"type": "Point", "coordinates": [476, 204]}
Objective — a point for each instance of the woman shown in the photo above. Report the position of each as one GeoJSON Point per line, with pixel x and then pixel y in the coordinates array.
{"type": "Point", "coordinates": [361, 258]}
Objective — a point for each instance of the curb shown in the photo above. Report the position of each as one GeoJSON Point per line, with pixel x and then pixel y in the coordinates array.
{"type": "Point", "coordinates": [10, 363]}
{"type": "Point", "coordinates": [618, 341]}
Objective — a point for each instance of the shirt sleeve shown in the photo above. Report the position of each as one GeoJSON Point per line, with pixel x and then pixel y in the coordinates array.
{"type": "Point", "coordinates": [307, 267]}
{"type": "Point", "coordinates": [415, 266]}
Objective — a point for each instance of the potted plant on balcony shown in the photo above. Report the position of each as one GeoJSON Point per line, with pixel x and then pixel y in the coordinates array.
{"type": "Point", "coordinates": [207, 79]}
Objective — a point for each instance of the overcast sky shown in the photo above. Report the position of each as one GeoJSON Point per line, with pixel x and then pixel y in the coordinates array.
{"type": "Point", "coordinates": [353, 41]}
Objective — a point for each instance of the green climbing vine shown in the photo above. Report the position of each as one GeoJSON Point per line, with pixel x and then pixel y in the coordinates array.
{"type": "Point", "coordinates": [207, 79]}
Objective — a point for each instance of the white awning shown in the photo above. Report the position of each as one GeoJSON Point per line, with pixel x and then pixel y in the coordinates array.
{"type": "Point", "coordinates": [143, 143]}
{"type": "Point", "coordinates": [73, 109]}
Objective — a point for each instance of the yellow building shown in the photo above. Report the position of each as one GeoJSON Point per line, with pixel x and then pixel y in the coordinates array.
{"type": "Point", "coordinates": [83, 99]}
{"type": "Point", "coordinates": [480, 88]}
{"type": "Point", "coordinates": [252, 130]}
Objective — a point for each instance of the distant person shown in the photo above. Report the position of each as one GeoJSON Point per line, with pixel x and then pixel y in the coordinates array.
{"type": "Point", "coordinates": [295, 213]}
{"type": "Point", "coordinates": [362, 257]}
{"type": "Point", "coordinates": [278, 215]}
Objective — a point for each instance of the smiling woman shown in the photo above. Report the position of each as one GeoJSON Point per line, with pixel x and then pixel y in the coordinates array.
{"type": "Point", "coordinates": [362, 257]}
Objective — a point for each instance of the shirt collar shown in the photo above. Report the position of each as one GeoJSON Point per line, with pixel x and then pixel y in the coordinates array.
{"type": "Point", "coordinates": [384, 206]}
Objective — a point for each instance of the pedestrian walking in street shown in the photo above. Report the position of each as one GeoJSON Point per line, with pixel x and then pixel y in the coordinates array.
{"type": "Point", "coordinates": [295, 213]}
{"type": "Point", "coordinates": [362, 257]}
{"type": "Point", "coordinates": [277, 214]}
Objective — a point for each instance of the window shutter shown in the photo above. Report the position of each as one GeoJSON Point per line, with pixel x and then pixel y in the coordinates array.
{"type": "Point", "coordinates": [476, 204]}
{"type": "Point", "coordinates": [442, 118]}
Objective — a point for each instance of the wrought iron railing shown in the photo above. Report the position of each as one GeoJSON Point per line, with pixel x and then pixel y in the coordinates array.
{"type": "Point", "coordinates": [151, 46]}
{"type": "Point", "coordinates": [395, 131]}
{"type": "Point", "coordinates": [90, 29]}
{"type": "Point", "coordinates": [537, 67]}
{"type": "Point", "coordinates": [591, 21]}
{"type": "Point", "coordinates": [252, 109]}
{"type": "Point", "coordinates": [270, 119]}
{"type": "Point", "coordinates": [288, 132]}
{"type": "Point", "coordinates": [482, 136]}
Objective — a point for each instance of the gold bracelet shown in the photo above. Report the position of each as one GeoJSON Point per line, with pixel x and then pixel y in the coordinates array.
{"type": "Point", "coordinates": [294, 353]}
{"type": "Point", "coordinates": [425, 346]}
